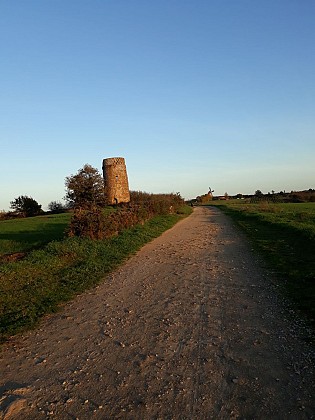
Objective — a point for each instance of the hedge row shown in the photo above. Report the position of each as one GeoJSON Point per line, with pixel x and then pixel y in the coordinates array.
{"type": "Point", "coordinates": [93, 223]}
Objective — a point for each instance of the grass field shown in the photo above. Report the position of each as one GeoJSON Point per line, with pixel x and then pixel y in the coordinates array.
{"type": "Point", "coordinates": [22, 235]}
{"type": "Point", "coordinates": [25, 234]}
{"type": "Point", "coordinates": [285, 235]}
{"type": "Point", "coordinates": [59, 270]}
{"type": "Point", "coordinates": [300, 216]}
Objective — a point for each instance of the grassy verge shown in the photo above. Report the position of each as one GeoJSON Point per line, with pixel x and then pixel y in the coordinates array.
{"type": "Point", "coordinates": [37, 284]}
{"type": "Point", "coordinates": [285, 235]}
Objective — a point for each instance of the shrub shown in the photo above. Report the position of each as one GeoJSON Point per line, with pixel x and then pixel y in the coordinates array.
{"type": "Point", "coordinates": [3, 215]}
{"type": "Point", "coordinates": [85, 189]}
{"type": "Point", "coordinates": [93, 223]}
{"type": "Point", "coordinates": [56, 207]}
{"type": "Point", "coordinates": [87, 223]}
{"type": "Point", "coordinates": [26, 206]}
{"type": "Point", "coordinates": [157, 203]}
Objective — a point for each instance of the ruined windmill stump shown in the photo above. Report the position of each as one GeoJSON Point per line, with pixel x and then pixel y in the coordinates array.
{"type": "Point", "coordinates": [116, 180]}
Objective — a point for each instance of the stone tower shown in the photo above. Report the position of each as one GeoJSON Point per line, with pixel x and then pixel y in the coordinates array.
{"type": "Point", "coordinates": [116, 180]}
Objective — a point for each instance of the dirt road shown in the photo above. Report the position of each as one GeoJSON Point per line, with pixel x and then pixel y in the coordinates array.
{"type": "Point", "coordinates": [189, 328]}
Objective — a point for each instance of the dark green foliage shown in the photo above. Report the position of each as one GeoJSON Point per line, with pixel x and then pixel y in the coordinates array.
{"type": "Point", "coordinates": [56, 207]}
{"type": "Point", "coordinates": [26, 206]}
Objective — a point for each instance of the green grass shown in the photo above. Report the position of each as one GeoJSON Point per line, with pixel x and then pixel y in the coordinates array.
{"type": "Point", "coordinates": [22, 235]}
{"type": "Point", "coordinates": [285, 235]}
{"type": "Point", "coordinates": [59, 270]}
{"type": "Point", "coordinates": [25, 234]}
{"type": "Point", "coordinates": [300, 216]}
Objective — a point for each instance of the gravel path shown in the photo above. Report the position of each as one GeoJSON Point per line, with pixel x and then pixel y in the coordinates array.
{"type": "Point", "coordinates": [189, 328]}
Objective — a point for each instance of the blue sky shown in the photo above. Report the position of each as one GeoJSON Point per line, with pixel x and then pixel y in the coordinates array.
{"type": "Point", "coordinates": [193, 94]}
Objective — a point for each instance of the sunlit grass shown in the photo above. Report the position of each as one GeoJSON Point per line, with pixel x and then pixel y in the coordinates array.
{"type": "Point", "coordinates": [285, 235]}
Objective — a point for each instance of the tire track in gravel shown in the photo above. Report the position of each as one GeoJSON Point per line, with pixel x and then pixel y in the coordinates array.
{"type": "Point", "coordinates": [191, 327]}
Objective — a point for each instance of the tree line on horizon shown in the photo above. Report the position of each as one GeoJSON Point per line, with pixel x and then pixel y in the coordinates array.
{"type": "Point", "coordinates": [302, 196]}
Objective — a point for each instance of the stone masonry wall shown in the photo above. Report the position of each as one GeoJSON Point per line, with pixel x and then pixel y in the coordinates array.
{"type": "Point", "coordinates": [116, 180]}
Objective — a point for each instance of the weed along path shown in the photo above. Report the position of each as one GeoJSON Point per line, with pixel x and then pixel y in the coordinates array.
{"type": "Point", "coordinates": [188, 328]}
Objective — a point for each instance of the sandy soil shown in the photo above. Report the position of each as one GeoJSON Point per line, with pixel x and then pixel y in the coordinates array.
{"type": "Point", "coordinates": [189, 328]}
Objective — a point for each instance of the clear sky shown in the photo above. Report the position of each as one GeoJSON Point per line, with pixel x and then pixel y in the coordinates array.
{"type": "Point", "coordinates": [193, 93]}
